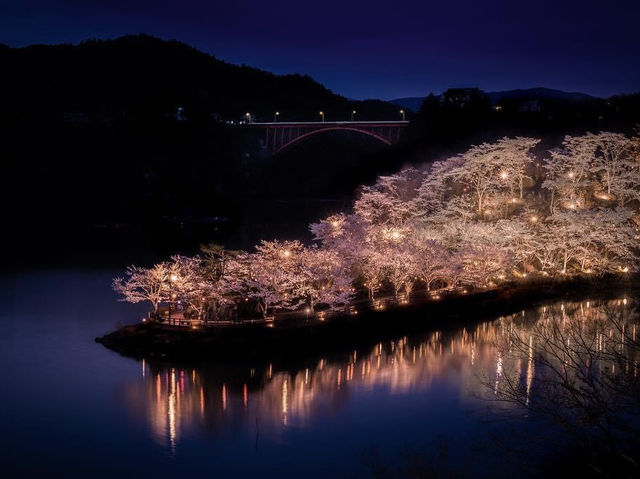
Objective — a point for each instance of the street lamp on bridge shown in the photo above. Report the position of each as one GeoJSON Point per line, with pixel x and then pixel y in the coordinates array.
{"type": "Point", "coordinates": [353, 112]}
{"type": "Point", "coordinates": [275, 117]}
{"type": "Point", "coordinates": [402, 113]}
{"type": "Point", "coordinates": [321, 113]}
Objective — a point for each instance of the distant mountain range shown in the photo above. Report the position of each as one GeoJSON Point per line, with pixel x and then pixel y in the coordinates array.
{"type": "Point", "coordinates": [139, 76]}
{"type": "Point", "coordinates": [414, 103]}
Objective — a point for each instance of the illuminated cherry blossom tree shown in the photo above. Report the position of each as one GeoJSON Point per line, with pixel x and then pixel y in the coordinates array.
{"type": "Point", "coordinates": [491, 168]}
{"type": "Point", "coordinates": [144, 284]}
{"type": "Point", "coordinates": [470, 220]}
{"type": "Point", "coordinates": [615, 168]}
{"type": "Point", "coordinates": [391, 200]}
{"type": "Point", "coordinates": [568, 173]}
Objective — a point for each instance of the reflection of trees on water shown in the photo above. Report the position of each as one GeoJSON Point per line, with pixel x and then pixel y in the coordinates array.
{"type": "Point", "coordinates": [577, 367]}
{"type": "Point", "coordinates": [510, 351]}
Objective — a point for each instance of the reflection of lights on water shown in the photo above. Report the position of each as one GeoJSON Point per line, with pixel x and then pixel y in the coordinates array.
{"type": "Point", "coordinates": [401, 365]}
{"type": "Point", "coordinates": [224, 397]}
{"type": "Point", "coordinates": [530, 369]}
{"type": "Point", "coordinates": [498, 372]}
{"type": "Point", "coordinates": [285, 405]}
{"type": "Point", "coordinates": [172, 411]}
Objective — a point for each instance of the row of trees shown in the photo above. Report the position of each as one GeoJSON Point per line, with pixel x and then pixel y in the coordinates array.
{"type": "Point", "coordinates": [473, 220]}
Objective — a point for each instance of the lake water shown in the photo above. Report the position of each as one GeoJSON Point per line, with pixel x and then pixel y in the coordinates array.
{"type": "Point", "coordinates": [71, 407]}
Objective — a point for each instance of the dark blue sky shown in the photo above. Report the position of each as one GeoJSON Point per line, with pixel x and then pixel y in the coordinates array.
{"type": "Point", "coordinates": [382, 49]}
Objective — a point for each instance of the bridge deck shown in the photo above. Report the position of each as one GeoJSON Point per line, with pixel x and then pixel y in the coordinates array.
{"type": "Point", "coordinates": [328, 123]}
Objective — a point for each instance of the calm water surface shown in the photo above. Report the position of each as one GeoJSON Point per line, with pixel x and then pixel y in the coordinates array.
{"type": "Point", "coordinates": [72, 407]}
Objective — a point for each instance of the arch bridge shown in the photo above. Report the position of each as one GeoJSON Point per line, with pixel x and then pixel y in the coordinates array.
{"type": "Point", "coordinates": [280, 135]}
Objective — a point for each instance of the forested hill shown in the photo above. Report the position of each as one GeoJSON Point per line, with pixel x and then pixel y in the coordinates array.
{"type": "Point", "coordinates": [142, 76]}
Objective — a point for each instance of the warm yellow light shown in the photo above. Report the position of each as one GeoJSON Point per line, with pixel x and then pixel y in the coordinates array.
{"type": "Point", "coordinates": [534, 219]}
{"type": "Point", "coordinates": [504, 175]}
{"type": "Point", "coordinates": [174, 278]}
{"type": "Point", "coordinates": [286, 253]}
{"type": "Point", "coordinates": [571, 174]}
{"type": "Point", "coordinates": [395, 235]}
{"type": "Point", "coordinates": [334, 223]}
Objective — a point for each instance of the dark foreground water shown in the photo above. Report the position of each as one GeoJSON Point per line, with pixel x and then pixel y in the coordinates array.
{"type": "Point", "coordinates": [70, 407]}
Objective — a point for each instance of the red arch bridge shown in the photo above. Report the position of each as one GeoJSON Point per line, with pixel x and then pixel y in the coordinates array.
{"type": "Point", "coordinates": [280, 135]}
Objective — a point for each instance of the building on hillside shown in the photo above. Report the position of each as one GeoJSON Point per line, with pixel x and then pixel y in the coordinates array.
{"type": "Point", "coordinates": [462, 98]}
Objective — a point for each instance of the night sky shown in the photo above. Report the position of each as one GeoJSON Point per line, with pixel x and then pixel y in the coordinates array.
{"type": "Point", "coordinates": [380, 49]}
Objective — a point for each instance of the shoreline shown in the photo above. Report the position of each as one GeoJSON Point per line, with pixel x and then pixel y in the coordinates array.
{"type": "Point", "coordinates": [304, 338]}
